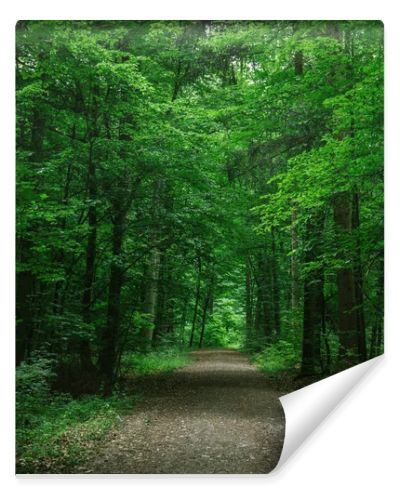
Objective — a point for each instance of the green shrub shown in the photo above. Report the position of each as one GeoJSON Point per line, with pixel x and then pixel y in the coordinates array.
{"type": "Point", "coordinates": [165, 360]}
{"type": "Point", "coordinates": [55, 431]}
{"type": "Point", "coordinates": [282, 355]}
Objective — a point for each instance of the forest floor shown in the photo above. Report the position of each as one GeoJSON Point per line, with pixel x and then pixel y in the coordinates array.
{"type": "Point", "coordinates": [217, 415]}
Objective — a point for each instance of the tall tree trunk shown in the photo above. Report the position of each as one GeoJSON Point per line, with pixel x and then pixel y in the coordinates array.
{"type": "Point", "coordinates": [89, 278]}
{"type": "Point", "coordinates": [109, 338]}
{"type": "Point", "coordinates": [196, 301]}
{"type": "Point", "coordinates": [25, 279]}
{"type": "Point", "coordinates": [313, 300]}
{"type": "Point", "coordinates": [249, 301]}
{"type": "Point", "coordinates": [151, 295]}
{"type": "Point", "coordinates": [25, 283]}
{"type": "Point", "coordinates": [160, 319]}
{"type": "Point", "coordinates": [312, 323]}
{"type": "Point", "coordinates": [59, 257]}
{"type": "Point", "coordinates": [376, 346]}
{"type": "Point", "coordinates": [325, 367]}
{"type": "Point", "coordinates": [358, 276]}
{"type": "Point", "coordinates": [346, 289]}
{"type": "Point", "coordinates": [183, 321]}
{"type": "Point", "coordinates": [153, 270]}
{"type": "Point", "coordinates": [294, 266]}
{"type": "Point", "coordinates": [351, 328]}
{"type": "Point", "coordinates": [203, 318]}
{"type": "Point", "coordinates": [264, 283]}
{"type": "Point", "coordinates": [275, 287]}
{"type": "Point", "coordinates": [298, 64]}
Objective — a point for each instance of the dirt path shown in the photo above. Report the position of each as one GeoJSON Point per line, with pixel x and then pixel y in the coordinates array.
{"type": "Point", "coordinates": [218, 415]}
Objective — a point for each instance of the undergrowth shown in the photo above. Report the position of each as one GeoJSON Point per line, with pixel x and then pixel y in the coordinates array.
{"type": "Point", "coordinates": [54, 431]}
{"type": "Point", "coordinates": [277, 357]}
{"type": "Point", "coordinates": [165, 360]}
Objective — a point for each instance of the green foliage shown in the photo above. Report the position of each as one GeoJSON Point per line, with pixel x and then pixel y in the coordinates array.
{"type": "Point", "coordinates": [225, 327]}
{"type": "Point", "coordinates": [183, 178]}
{"type": "Point", "coordinates": [282, 355]}
{"type": "Point", "coordinates": [54, 431]}
{"type": "Point", "coordinates": [165, 360]}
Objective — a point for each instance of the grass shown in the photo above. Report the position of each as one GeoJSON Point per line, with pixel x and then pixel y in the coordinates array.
{"type": "Point", "coordinates": [154, 362]}
{"type": "Point", "coordinates": [277, 357]}
{"type": "Point", "coordinates": [55, 432]}
{"type": "Point", "coordinates": [60, 434]}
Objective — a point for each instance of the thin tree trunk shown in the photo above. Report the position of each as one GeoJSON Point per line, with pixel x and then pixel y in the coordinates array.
{"type": "Point", "coordinates": [324, 334]}
{"type": "Point", "coordinates": [85, 351]}
{"type": "Point", "coordinates": [151, 295]}
{"type": "Point", "coordinates": [183, 322]}
{"type": "Point", "coordinates": [313, 301]}
{"type": "Point", "coordinates": [376, 347]}
{"type": "Point", "coordinates": [358, 275]}
{"type": "Point", "coordinates": [153, 271]}
{"type": "Point", "coordinates": [25, 283]}
{"type": "Point", "coordinates": [249, 305]}
{"type": "Point", "coordinates": [203, 319]}
{"type": "Point", "coordinates": [294, 266]}
{"type": "Point", "coordinates": [298, 64]}
{"type": "Point", "coordinates": [264, 285]}
{"type": "Point", "coordinates": [275, 287]}
{"type": "Point", "coordinates": [196, 302]}
{"type": "Point", "coordinates": [311, 323]}
{"type": "Point", "coordinates": [160, 320]}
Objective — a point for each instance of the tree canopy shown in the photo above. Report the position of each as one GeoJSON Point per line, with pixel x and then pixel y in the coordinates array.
{"type": "Point", "coordinates": [199, 183]}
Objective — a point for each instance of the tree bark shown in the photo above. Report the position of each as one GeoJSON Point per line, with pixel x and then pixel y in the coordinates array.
{"type": "Point", "coordinates": [151, 295]}
{"type": "Point", "coordinates": [346, 290]}
{"type": "Point", "coordinates": [249, 301]}
{"type": "Point", "coordinates": [196, 301]}
{"type": "Point", "coordinates": [25, 279]}
{"type": "Point", "coordinates": [294, 265]}
{"type": "Point", "coordinates": [359, 282]}
{"type": "Point", "coordinates": [264, 316]}
{"type": "Point", "coordinates": [275, 287]}
{"type": "Point", "coordinates": [89, 278]}
{"type": "Point", "coordinates": [313, 300]}
{"type": "Point", "coordinates": [203, 318]}
{"type": "Point", "coordinates": [109, 338]}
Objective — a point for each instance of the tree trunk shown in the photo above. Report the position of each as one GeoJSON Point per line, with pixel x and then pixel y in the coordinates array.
{"type": "Point", "coordinates": [196, 301]}
{"type": "Point", "coordinates": [85, 350]}
{"type": "Point", "coordinates": [108, 351]}
{"type": "Point", "coordinates": [275, 288]}
{"type": "Point", "coordinates": [203, 318]}
{"type": "Point", "coordinates": [295, 275]}
{"type": "Point", "coordinates": [346, 289]}
{"type": "Point", "coordinates": [376, 346]}
{"type": "Point", "coordinates": [160, 319]}
{"type": "Point", "coordinates": [312, 323]}
{"type": "Point", "coordinates": [25, 279]}
{"type": "Point", "coordinates": [313, 300]}
{"type": "Point", "coordinates": [358, 276]}
{"type": "Point", "coordinates": [151, 295]}
{"type": "Point", "coordinates": [183, 321]}
{"type": "Point", "coordinates": [264, 283]}
{"type": "Point", "coordinates": [25, 283]}
{"type": "Point", "coordinates": [298, 64]}
{"type": "Point", "coordinates": [249, 301]}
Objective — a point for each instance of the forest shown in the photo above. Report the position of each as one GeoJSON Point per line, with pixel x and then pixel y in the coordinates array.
{"type": "Point", "coordinates": [184, 185]}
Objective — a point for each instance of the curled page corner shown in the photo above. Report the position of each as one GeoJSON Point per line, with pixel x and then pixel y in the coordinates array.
{"type": "Point", "coordinates": [308, 407]}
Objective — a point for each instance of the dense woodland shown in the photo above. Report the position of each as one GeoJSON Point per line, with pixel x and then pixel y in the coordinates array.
{"type": "Point", "coordinates": [194, 184]}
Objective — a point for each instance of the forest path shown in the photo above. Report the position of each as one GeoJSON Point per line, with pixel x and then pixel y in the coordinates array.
{"type": "Point", "coordinates": [217, 415]}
